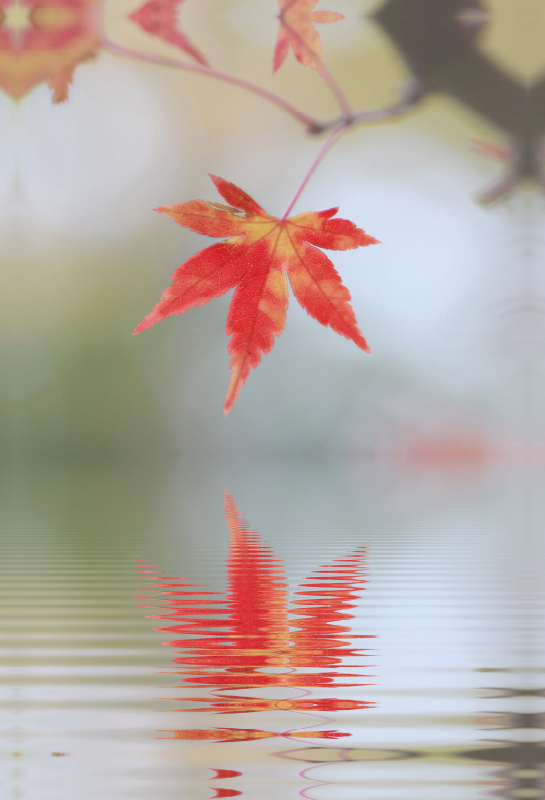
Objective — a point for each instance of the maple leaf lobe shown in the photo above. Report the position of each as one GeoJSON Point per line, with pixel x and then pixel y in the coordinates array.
{"type": "Point", "coordinates": [159, 18]}
{"type": "Point", "coordinates": [237, 197]}
{"type": "Point", "coordinates": [298, 32]}
{"type": "Point", "coordinates": [259, 256]}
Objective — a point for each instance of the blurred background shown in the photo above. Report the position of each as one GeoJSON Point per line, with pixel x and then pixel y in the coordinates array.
{"type": "Point", "coordinates": [450, 301]}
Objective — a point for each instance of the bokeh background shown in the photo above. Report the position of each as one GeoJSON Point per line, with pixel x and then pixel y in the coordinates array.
{"type": "Point", "coordinates": [449, 301]}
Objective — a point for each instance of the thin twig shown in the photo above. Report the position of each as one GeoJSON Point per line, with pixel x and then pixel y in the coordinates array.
{"type": "Point", "coordinates": [372, 115]}
{"type": "Point", "coordinates": [328, 144]}
{"type": "Point", "coordinates": [340, 96]}
{"type": "Point", "coordinates": [312, 125]}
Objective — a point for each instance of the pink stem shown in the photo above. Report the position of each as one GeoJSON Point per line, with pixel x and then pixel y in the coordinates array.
{"type": "Point", "coordinates": [340, 96]}
{"type": "Point", "coordinates": [313, 125]}
{"type": "Point", "coordinates": [330, 141]}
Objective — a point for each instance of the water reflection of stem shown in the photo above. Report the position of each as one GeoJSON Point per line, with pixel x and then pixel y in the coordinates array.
{"type": "Point", "coordinates": [316, 784]}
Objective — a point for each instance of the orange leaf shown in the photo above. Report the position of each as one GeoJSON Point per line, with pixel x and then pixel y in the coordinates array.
{"type": "Point", "coordinates": [258, 257]}
{"type": "Point", "coordinates": [297, 29]}
{"type": "Point", "coordinates": [159, 17]}
{"type": "Point", "coordinates": [59, 83]}
{"type": "Point", "coordinates": [44, 41]}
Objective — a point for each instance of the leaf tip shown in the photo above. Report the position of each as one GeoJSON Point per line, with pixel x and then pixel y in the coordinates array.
{"type": "Point", "coordinates": [364, 239]}
{"type": "Point", "coordinates": [147, 322]}
{"type": "Point", "coordinates": [218, 182]}
{"type": "Point", "coordinates": [360, 341]}
{"type": "Point", "coordinates": [233, 391]}
{"type": "Point", "coordinates": [230, 398]}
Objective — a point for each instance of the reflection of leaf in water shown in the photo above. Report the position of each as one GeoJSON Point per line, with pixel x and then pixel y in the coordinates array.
{"type": "Point", "coordinates": [247, 734]}
{"type": "Point", "coordinates": [225, 704]}
{"type": "Point", "coordinates": [221, 774]}
{"type": "Point", "coordinates": [230, 638]}
{"type": "Point", "coordinates": [258, 628]}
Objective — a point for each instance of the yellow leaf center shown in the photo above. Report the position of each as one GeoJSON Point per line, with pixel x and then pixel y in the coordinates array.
{"type": "Point", "coordinates": [17, 18]}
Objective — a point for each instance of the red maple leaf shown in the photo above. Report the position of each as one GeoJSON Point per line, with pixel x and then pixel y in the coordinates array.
{"type": "Point", "coordinates": [297, 29]}
{"type": "Point", "coordinates": [259, 254]}
{"type": "Point", "coordinates": [159, 17]}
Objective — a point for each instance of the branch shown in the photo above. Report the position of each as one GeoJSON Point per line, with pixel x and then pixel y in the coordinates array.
{"type": "Point", "coordinates": [312, 125]}
{"type": "Point", "coordinates": [373, 115]}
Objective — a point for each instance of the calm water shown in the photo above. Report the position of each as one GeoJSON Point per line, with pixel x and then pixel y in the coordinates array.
{"type": "Point", "coordinates": [356, 630]}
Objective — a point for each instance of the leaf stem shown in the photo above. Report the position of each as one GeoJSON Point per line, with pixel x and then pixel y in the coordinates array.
{"type": "Point", "coordinates": [340, 96]}
{"type": "Point", "coordinates": [326, 147]}
{"type": "Point", "coordinates": [312, 125]}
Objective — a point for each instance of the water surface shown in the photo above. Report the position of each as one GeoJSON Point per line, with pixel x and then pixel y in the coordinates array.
{"type": "Point", "coordinates": [355, 630]}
